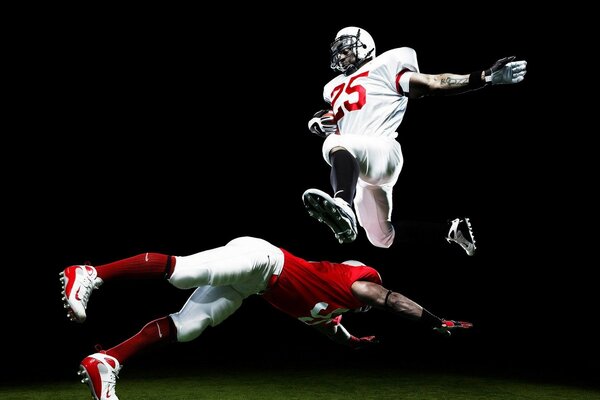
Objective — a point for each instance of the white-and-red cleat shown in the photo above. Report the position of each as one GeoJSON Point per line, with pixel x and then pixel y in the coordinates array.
{"type": "Point", "coordinates": [100, 372]}
{"type": "Point", "coordinates": [78, 282]}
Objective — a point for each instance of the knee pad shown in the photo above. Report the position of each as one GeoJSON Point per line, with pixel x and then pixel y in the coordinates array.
{"type": "Point", "coordinates": [379, 238]}
{"type": "Point", "coordinates": [190, 328]}
{"type": "Point", "coordinates": [207, 306]}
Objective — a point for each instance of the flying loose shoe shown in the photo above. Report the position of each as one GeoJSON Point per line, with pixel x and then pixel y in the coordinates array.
{"type": "Point", "coordinates": [334, 212]}
{"type": "Point", "coordinates": [462, 234]}
{"type": "Point", "coordinates": [78, 281]}
{"type": "Point", "coordinates": [449, 325]}
{"type": "Point", "coordinates": [100, 371]}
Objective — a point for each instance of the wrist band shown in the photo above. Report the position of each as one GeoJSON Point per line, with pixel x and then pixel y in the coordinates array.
{"type": "Point", "coordinates": [475, 81]}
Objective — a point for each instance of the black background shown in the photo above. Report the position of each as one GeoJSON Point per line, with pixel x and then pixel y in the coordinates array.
{"type": "Point", "coordinates": [151, 131]}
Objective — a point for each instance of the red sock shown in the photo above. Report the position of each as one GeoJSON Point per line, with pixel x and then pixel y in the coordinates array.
{"type": "Point", "coordinates": [159, 330]}
{"type": "Point", "coordinates": [146, 265]}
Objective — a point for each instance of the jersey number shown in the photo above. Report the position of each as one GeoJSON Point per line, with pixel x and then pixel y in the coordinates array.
{"type": "Point", "coordinates": [349, 88]}
{"type": "Point", "coordinates": [316, 316]}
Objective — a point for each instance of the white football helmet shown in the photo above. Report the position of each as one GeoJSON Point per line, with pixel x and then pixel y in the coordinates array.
{"type": "Point", "coordinates": [354, 263]}
{"type": "Point", "coordinates": [358, 41]}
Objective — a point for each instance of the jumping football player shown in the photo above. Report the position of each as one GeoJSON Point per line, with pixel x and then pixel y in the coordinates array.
{"type": "Point", "coordinates": [368, 100]}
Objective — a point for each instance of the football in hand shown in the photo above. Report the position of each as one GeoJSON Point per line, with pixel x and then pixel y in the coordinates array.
{"type": "Point", "coordinates": [328, 118]}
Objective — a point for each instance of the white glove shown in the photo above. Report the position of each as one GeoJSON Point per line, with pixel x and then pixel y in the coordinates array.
{"type": "Point", "coordinates": [505, 72]}
{"type": "Point", "coordinates": [322, 123]}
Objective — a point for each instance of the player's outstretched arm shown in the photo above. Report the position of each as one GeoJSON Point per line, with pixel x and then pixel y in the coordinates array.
{"type": "Point", "coordinates": [504, 71]}
{"type": "Point", "coordinates": [376, 295]}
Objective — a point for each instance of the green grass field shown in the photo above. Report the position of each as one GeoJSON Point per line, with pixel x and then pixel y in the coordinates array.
{"type": "Point", "coordinates": [314, 385]}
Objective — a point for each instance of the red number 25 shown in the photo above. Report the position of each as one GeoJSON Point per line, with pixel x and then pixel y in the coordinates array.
{"type": "Point", "coordinates": [349, 88]}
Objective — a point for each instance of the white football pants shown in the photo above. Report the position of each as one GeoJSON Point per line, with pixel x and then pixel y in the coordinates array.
{"type": "Point", "coordinates": [223, 276]}
{"type": "Point", "coordinates": [380, 160]}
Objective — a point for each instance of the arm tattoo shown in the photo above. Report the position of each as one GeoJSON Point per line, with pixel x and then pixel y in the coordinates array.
{"type": "Point", "coordinates": [453, 82]}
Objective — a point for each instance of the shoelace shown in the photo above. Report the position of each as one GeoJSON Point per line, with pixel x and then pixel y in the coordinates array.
{"type": "Point", "coordinates": [88, 286]}
{"type": "Point", "coordinates": [114, 375]}
{"type": "Point", "coordinates": [111, 381]}
{"type": "Point", "coordinates": [461, 239]}
{"type": "Point", "coordinates": [457, 236]}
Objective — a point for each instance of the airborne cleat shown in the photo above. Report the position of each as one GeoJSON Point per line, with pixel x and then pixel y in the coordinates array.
{"type": "Point", "coordinates": [78, 281]}
{"type": "Point", "coordinates": [334, 212]}
{"type": "Point", "coordinates": [100, 372]}
{"type": "Point", "coordinates": [462, 234]}
{"type": "Point", "coordinates": [449, 325]}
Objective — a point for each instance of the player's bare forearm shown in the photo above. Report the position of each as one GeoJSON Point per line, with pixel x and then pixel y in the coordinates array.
{"type": "Point", "coordinates": [402, 305]}
{"type": "Point", "coordinates": [440, 85]}
{"type": "Point", "coordinates": [376, 295]}
{"type": "Point", "coordinates": [453, 82]}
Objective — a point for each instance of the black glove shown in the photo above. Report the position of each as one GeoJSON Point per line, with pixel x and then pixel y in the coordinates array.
{"type": "Point", "coordinates": [499, 65]}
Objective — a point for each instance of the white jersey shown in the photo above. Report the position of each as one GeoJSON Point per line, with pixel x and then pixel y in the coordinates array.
{"type": "Point", "coordinates": [370, 102]}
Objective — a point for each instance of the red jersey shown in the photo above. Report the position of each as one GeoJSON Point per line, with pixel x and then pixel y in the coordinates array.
{"type": "Point", "coordinates": [317, 292]}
